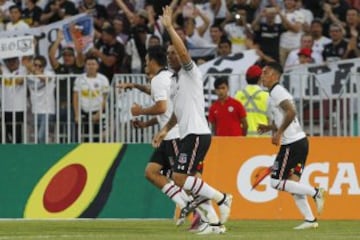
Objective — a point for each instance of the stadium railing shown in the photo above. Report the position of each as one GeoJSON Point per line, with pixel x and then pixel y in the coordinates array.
{"type": "Point", "coordinates": [320, 113]}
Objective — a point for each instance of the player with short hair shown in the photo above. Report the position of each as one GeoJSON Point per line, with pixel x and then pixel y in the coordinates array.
{"type": "Point", "coordinates": [195, 135]}
{"type": "Point", "coordinates": [158, 170]}
{"type": "Point", "coordinates": [291, 158]}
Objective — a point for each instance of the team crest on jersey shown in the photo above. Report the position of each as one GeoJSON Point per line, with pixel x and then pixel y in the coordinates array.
{"type": "Point", "coordinates": [230, 108]}
{"type": "Point", "coordinates": [182, 158]}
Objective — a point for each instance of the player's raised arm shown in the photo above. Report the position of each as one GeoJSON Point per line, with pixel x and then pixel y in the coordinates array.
{"type": "Point", "coordinates": [175, 38]}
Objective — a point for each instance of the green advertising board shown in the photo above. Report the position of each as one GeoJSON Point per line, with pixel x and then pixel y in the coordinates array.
{"type": "Point", "coordinates": [79, 181]}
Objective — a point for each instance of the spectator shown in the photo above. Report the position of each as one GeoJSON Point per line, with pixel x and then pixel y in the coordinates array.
{"type": "Point", "coordinates": [224, 47]}
{"type": "Point", "coordinates": [338, 48]}
{"type": "Point", "coordinates": [250, 6]}
{"type": "Point", "coordinates": [57, 10]}
{"type": "Point", "coordinates": [89, 100]}
{"type": "Point", "coordinates": [216, 33]}
{"type": "Point", "coordinates": [195, 34]}
{"type": "Point", "coordinates": [226, 115]}
{"type": "Point", "coordinates": [140, 18]}
{"type": "Point", "coordinates": [334, 12]}
{"type": "Point", "coordinates": [121, 35]}
{"type": "Point", "coordinates": [110, 53]}
{"type": "Point", "coordinates": [239, 32]}
{"type": "Point", "coordinates": [304, 56]}
{"type": "Point", "coordinates": [316, 30]}
{"type": "Point", "coordinates": [308, 15]}
{"type": "Point", "coordinates": [352, 26]}
{"type": "Point", "coordinates": [42, 86]}
{"type": "Point", "coordinates": [14, 99]}
{"type": "Point", "coordinates": [153, 40]}
{"type": "Point", "coordinates": [307, 42]}
{"type": "Point", "coordinates": [268, 32]}
{"type": "Point", "coordinates": [254, 99]}
{"type": "Point", "coordinates": [4, 11]}
{"type": "Point", "coordinates": [16, 23]}
{"type": "Point", "coordinates": [71, 64]}
{"type": "Point", "coordinates": [32, 13]}
{"type": "Point", "coordinates": [136, 49]}
{"type": "Point", "coordinates": [293, 20]}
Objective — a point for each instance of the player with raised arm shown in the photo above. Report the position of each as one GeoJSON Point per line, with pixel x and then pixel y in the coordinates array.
{"type": "Point", "coordinates": [158, 170]}
{"type": "Point", "coordinates": [195, 135]}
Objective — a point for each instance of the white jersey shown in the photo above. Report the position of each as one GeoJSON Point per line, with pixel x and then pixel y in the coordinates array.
{"type": "Point", "coordinates": [14, 94]}
{"type": "Point", "coordinates": [42, 93]}
{"type": "Point", "coordinates": [161, 91]}
{"type": "Point", "coordinates": [189, 102]}
{"type": "Point", "coordinates": [91, 91]}
{"type": "Point", "coordinates": [294, 131]}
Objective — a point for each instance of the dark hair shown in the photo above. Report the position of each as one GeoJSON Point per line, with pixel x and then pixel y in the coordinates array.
{"type": "Point", "coordinates": [224, 39]}
{"type": "Point", "coordinates": [15, 7]}
{"type": "Point", "coordinates": [91, 57]}
{"type": "Point", "coordinates": [42, 59]}
{"type": "Point", "coordinates": [155, 37]}
{"type": "Point", "coordinates": [218, 26]}
{"type": "Point", "coordinates": [318, 21]}
{"type": "Point", "coordinates": [158, 53]}
{"type": "Point", "coordinates": [219, 81]}
{"type": "Point", "coordinates": [275, 66]}
{"type": "Point", "coordinates": [252, 80]}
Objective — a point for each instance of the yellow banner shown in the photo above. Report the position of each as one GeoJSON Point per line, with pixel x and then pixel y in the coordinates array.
{"type": "Point", "coordinates": [333, 163]}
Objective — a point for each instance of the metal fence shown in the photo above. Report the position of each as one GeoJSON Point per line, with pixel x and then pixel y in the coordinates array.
{"type": "Point", "coordinates": [24, 120]}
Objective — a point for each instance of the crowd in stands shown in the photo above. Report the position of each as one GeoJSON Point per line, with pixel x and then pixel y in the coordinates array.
{"type": "Point", "coordinates": [291, 32]}
{"type": "Point", "coordinates": [126, 28]}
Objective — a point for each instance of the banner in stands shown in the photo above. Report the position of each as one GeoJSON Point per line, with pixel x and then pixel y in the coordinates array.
{"type": "Point", "coordinates": [325, 80]}
{"type": "Point", "coordinates": [232, 164]}
{"type": "Point", "coordinates": [232, 67]}
{"type": "Point", "coordinates": [44, 35]}
{"type": "Point", "coordinates": [80, 31]}
{"type": "Point", "coordinates": [16, 47]}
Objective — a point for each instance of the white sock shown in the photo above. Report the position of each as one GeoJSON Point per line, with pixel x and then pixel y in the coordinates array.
{"type": "Point", "coordinates": [293, 187]}
{"type": "Point", "coordinates": [304, 207]}
{"type": "Point", "coordinates": [174, 193]}
{"type": "Point", "coordinates": [198, 187]}
{"type": "Point", "coordinates": [208, 213]}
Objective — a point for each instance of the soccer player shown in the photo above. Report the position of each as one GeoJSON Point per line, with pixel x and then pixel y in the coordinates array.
{"type": "Point", "coordinates": [160, 164]}
{"type": "Point", "coordinates": [291, 158]}
{"type": "Point", "coordinates": [195, 135]}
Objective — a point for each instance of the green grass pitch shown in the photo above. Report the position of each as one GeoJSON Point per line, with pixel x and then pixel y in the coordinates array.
{"type": "Point", "coordinates": [166, 230]}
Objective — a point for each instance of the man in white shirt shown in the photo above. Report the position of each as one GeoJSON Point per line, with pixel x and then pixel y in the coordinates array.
{"type": "Point", "coordinates": [291, 158]}
{"type": "Point", "coordinates": [16, 23]}
{"type": "Point", "coordinates": [42, 88]}
{"type": "Point", "coordinates": [316, 30]}
{"type": "Point", "coordinates": [14, 99]}
{"type": "Point", "coordinates": [89, 101]}
{"type": "Point", "coordinates": [158, 170]}
{"type": "Point", "coordinates": [195, 135]}
{"type": "Point", "coordinates": [305, 42]}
